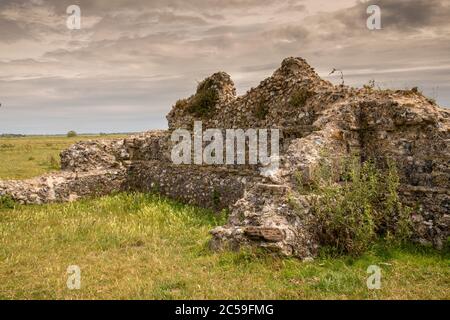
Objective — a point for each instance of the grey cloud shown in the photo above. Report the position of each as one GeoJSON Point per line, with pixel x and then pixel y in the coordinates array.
{"type": "Point", "coordinates": [293, 33]}
{"type": "Point", "coordinates": [293, 5]}
{"type": "Point", "coordinates": [224, 29]}
{"type": "Point", "coordinates": [105, 6]}
{"type": "Point", "coordinates": [125, 70]}
{"type": "Point", "coordinates": [403, 15]}
{"type": "Point", "coordinates": [261, 67]}
{"type": "Point", "coordinates": [11, 31]}
{"type": "Point", "coordinates": [170, 17]}
{"type": "Point", "coordinates": [55, 105]}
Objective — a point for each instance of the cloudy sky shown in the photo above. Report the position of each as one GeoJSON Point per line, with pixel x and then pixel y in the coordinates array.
{"type": "Point", "coordinates": [132, 59]}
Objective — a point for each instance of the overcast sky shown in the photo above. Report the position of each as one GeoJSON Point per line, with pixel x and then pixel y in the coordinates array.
{"type": "Point", "coordinates": [132, 59]}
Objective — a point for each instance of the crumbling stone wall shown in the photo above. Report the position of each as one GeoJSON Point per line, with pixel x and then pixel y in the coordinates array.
{"type": "Point", "coordinates": [318, 122]}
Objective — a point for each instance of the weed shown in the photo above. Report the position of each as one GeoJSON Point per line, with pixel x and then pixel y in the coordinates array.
{"type": "Point", "coordinates": [204, 101]}
{"type": "Point", "coordinates": [7, 202]}
{"type": "Point", "coordinates": [342, 75]}
{"type": "Point", "coordinates": [370, 86]}
{"type": "Point", "coordinates": [261, 110]}
{"type": "Point", "coordinates": [299, 98]}
{"type": "Point", "coordinates": [216, 198]}
{"type": "Point", "coordinates": [181, 104]}
{"type": "Point", "coordinates": [361, 208]}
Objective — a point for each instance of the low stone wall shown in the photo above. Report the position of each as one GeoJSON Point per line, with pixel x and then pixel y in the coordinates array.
{"type": "Point", "coordinates": [208, 187]}
{"type": "Point", "coordinates": [65, 186]}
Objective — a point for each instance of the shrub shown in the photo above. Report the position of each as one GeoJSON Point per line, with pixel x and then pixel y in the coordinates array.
{"type": "Point", "coordinates": [216, 198]}
{"type": "Point", "coordinates": [299, 98]}
{"type": "Point", "coordinates": [204, 101]}
{"type": "Point", "coordinates": [7, 146]}
{"type": "Point", "coordinates": [6, 202]}
{"type": "Point", "coordinates": [362, 207]}
{"type": "Point", "coordinates": [71, 134]}
{"type": "Point", "coordinates": [181, 104]}
{"type": "Point", "coordinates": [370, 85]}
{"type": "Point", "coordinates": [261, 110]}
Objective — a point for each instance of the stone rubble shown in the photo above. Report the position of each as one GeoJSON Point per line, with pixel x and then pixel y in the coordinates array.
{"type": "Point", "coordinates": [313, 116]}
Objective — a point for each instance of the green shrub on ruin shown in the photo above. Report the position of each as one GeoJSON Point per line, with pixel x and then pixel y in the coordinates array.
{"type": "Point", "coordinates": [299, 98]}
{"type": "Point", "coordinates": [261, 110]}
{"type": "Point", "coordinates": [204, 101]}
{"type": "Point", "coordinates": [360, 208]}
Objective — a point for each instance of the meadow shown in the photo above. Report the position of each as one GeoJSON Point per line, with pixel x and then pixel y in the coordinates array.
{"type": "Point", "coordinates": [144, 246]}
{"type": "Point", "coordinates": [27, 157]}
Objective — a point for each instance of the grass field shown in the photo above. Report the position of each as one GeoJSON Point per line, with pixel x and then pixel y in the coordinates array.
{"type": "Point", "coordinates": [136, 246]}
{"type": "Point", "coordinates": [27, 157]}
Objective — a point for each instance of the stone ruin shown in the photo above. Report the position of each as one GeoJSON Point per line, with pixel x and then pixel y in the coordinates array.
{"type": "Point", "coordinates": [313, 115]}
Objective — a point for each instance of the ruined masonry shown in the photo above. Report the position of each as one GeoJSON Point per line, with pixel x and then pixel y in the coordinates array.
{"type": "Point", "coordinates": [313, 116]}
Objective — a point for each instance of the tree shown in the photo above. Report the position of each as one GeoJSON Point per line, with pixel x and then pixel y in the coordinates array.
{"type": "Point", "coordinates": [71, 134]}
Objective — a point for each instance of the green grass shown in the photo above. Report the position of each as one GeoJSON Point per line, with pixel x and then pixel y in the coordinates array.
{"type": "Point", "coordinates": [137, 246]}
{"type": "Point", "coordinates": [27, 157]}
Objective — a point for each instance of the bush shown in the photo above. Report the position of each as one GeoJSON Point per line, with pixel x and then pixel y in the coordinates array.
{"type": "Point", "coordinates": [7, 146]}
{"type": "Point", "coordinates": [216, 198]}
{"type": "Point", "coordinates": [261, 110]}
{"type": "Point", "coordinates": [299, 98]}
{"type": "Point", "coordinates": [71, 134]}
{"type": "Point", "coordinates": [6, 202]}
{"type": "Point", "coordinates": [181, 104]}
{"type": "Point", "coordinates": [362, 207]}
{"type": "Point", "coordinates": [204, 101]}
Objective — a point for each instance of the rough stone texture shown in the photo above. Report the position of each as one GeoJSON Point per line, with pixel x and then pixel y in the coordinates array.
{"type": "Point", "coordinates": [64, 186]}
{"type": "Point", "coordinates": [316, 119]}
{"type": "Point", "coordinates": [91, 155]}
